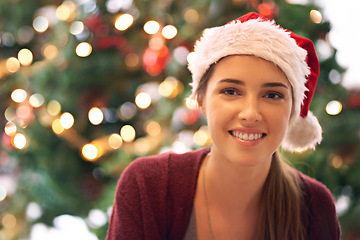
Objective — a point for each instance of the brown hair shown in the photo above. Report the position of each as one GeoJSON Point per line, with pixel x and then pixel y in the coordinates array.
{"type": "Point", "coordinates": [280, 216]}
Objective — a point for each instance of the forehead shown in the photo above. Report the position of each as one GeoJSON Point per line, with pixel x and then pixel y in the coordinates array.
{"type": "Point", "coordinates": [248, 68]}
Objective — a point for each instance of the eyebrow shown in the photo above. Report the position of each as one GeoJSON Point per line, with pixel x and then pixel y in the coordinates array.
{"type": "Point", "coordinates": [239, 82]}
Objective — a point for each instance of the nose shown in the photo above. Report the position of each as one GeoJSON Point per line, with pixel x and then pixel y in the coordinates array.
{"type": "Point", "coordinates": [250, 110]}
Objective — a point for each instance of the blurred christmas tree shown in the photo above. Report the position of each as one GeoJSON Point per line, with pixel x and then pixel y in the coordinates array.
{"type": "Point", "coordinates": [87, 86]}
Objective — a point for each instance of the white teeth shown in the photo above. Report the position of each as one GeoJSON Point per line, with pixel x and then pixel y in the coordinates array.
{"type": "Point", "coordinates": [248, 137]}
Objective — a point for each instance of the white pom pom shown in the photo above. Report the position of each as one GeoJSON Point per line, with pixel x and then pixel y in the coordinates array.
{"type": "Point", "coordinates": [302, 134]}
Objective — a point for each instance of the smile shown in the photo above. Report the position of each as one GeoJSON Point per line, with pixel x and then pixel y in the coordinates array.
{"type": "Point", "coordinates": [247, 136]}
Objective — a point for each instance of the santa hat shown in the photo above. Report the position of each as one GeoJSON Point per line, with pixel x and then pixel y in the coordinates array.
{"type": "Point", "coordinates": [253, 34]}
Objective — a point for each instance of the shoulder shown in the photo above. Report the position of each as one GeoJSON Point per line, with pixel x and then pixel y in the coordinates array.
{"type": "Point", "coordinates": [317, 191]}
{"type": "Point", "coordinates": [320, 205]}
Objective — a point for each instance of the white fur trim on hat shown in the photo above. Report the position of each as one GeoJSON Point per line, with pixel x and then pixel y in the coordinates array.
{"type": "Point", "coordinates": [302, 134]}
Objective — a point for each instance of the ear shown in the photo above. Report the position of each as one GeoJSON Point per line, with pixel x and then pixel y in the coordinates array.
{"type": "Point", "coordinates": [201, 105]}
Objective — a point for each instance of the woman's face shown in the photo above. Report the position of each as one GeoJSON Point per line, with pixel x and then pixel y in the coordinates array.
{"type": "Point", "coordinates": [247, 103]}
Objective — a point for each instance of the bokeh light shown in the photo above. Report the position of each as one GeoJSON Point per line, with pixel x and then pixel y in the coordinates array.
{"type": "Point", "coordinates": [191, 15]}
{"type": "Point", "coordinates": [3, 193]}
{"type": "Point", "coordinates": [191, 103]}
{"type": "Point", "coordinates": [124, 21]}
{"type": "Point", "coordinates": [169, 32]}
{"type": "Point", "coordinates": [333, 107]}
{"type": "Point", "coordinates": [67, 120]}
{"type": "Point", "coordinates": [36, 100]}
{"type": "Point", "coordinates": [66, 11]}
{"type": "Point", "coordinates": [19, 141]}
{"type": "Point", "coordinates": [143, 100]}
{"type": "Point", "coordinates": [12, 65]}
{"type": "Point", "coordinates": [25, 57]}
{"type": "Point", "coordinates": [50, 51]}
{"type": "Point", "coordinates": [83, 49]}
{"type": "Point", "coordinates": [202, 137]}
{"type": "Point", "coordinates": [115, 141]}
{"type": "Point", "coordinates": [170, 87]}
{"type": "Point", "coordinates": [315, 16]}
{"type": "Point", "coordinates": [153, 128]}
{"type": "Point", "coordinates": [127, 111]}
{"type": "Point", "coordinates": [57, 127]}
{"type": "Point", "coordinates": [40, 24]}
{"type": "Point", "coordinates": [151, 27]}
{"type": "Point", "coordinates": [19, 95]}
{"type": "Point", "coordinates": [24, 111]}
{"type": "Point", "coordinates": [8, 221]}
{"type": "Point", "coordinates": [96, 116]}
{"type": "Point", "coordinates": [76, 28]}
{"type": "Point", "coordinates": [10, 128]}
{"type": "Point", "coordinates": [90, 151]}
{"type": "Point", "coordinates": [54, 108]}
{"type": "Point", "coordinates": [127, 133]}
{"type": "Point", "coordinates": [190, 57]}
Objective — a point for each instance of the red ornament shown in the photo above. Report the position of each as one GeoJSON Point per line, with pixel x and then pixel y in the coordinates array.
{"type": "Point", "coordinates": [156, 60]}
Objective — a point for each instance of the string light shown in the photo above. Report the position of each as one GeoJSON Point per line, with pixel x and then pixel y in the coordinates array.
{"type": "Point", "coordinates": [124, 21]}
{"type": "Point", "coordinates": [151, 27]}
{"type": "Point", "coordinates": [96, 116]}
{"type": "Point", "coordinates": [127, 133]}
{"type": "Point", "coordinates": [333, 107]}
{"type": "Point", "coordinates": [169, 32]}
{"type": "Point", "coordinates": [25, 57]}
{"type": "Point", "coordinates": [19, 141]}
{"type": "Point", "coordinates": [143, 100]}
{"type": "Point", "coordinates": [67, 120]}
{"type": "Point", "coordinates": [12, 65]}
{"type": "Point", "coordinates": [40, 24]}
{"type": "Point", "coordinates": [83, 49]}
{"type": "Point", "coordinates": [19, 95]}
{"type": "Point", "coordinates": [315, 16]}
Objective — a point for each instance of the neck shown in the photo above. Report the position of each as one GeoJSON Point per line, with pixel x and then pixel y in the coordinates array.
{"type": "Point", "coordinates": [234, 186]}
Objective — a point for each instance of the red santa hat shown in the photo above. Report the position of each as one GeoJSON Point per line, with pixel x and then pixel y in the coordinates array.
{"type": "Point", "coordinates": [253, 34]}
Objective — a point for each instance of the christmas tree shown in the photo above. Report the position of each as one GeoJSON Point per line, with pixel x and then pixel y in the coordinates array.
{"type": "Point", "coordinates": [87, 86]}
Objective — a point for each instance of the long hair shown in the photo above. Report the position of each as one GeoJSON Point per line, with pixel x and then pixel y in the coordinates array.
{"type": "Point", "coordinates": [280, 216]}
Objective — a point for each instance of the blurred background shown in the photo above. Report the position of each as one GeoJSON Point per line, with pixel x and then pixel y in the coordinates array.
{"type": "Point", "coordinates": [87, 86]}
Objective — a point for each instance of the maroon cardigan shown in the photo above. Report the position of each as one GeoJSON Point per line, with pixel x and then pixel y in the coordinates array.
{"type": "Point", "coordinates": [155, 195]}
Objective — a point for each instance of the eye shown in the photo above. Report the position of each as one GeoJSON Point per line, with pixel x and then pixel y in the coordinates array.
{"type": "Point", "coordinates": [230, 92]}
{"type": "Point", "coordinates": [274, 95]}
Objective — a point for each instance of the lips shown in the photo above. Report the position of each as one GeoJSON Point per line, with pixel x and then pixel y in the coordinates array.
{"type": "Point", "coordinates": [247, 136]}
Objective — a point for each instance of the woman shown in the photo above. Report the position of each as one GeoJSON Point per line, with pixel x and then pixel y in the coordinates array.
{"type": "Point", "coordinates": [254, 82]}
